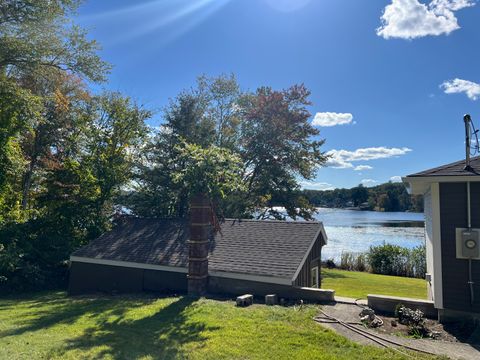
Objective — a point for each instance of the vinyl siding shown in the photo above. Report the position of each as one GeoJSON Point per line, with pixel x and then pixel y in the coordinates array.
{"type": "Point", "coordinates": [453, 214]}
{"type": "Point", "coordinates": [313, 259]}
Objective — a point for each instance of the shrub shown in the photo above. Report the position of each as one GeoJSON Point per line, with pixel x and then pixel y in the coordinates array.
{"type": "Point", "coordinates": [330, 264]}
{"type": "Point", "coordinates": [361, 263]}
{"type": "Point", "coordinates": [354, 261]}
{"type": "Point", "coordinates": [390, 259]}
{"type": "Point", "coordinates": [384, 259]}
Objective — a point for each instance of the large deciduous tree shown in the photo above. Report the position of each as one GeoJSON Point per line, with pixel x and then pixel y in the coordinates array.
{"type": "Point", "coordinates": [278, 147]}
{"type": "Point", "coordinates": [268, 130]}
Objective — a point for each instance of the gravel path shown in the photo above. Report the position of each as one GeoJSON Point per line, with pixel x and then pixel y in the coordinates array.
{"type": "Point", "coordinates": [349, 313]}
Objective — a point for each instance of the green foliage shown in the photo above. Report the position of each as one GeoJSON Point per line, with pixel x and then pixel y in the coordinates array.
{"type": "Point", "coordinates": [37, 37]}
{"type": "Point", "coordinates": [354, 261]}
{"type": "Point", "coordinates": [214, 171]}
{"type": "Point", "coordinates": [74, 192]}
{"type": "Point", "coordinates": [19, 109]}
{"type": "Point", "coordinates": [268, 131]}
{"type": "Point", "coordinates": [390, 259]}
{"type": "Point", "coordinates": [387, 259]}
{"type": "Point", "coordinates": [278, 148]}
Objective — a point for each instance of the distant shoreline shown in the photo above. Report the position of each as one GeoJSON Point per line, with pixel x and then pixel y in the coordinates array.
{"type": "Point", "coordinates": [353, 208]}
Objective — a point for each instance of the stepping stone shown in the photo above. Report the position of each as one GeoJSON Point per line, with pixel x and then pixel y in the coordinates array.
{"type": "Point", "coordinates": [245, 300]}
{"type": "Point", "coordinates": [271, 299]}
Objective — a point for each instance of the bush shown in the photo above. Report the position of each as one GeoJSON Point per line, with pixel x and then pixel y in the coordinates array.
{"type": "Point", "coordinates": [353, 261]}
{"type": "Point", "coordinates": [330, 264]}
{"type": "Point", "coordinates": [386, 259]}
{"type": "Point", "coordinates": [390, 259]}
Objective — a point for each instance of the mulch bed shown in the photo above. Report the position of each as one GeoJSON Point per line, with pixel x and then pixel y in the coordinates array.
{"type": "Point", "coordinates": [461, 332]}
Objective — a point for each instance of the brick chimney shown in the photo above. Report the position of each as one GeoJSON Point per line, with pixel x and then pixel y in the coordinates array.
{"type": "Point", "coordinates": [198, 245]}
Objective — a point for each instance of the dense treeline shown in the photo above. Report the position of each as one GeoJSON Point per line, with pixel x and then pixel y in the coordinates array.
{"type": "Point", "coordinates": [72, 160]}
{"type": "Point", "coordinates": [385, 197]}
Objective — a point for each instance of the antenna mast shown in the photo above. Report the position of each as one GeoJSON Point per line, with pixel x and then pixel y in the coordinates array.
{"type": "Point", "coordinates": [467, 119]}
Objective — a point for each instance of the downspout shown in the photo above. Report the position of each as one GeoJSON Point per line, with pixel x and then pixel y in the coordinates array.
{"type": "Point", "coordinates": [467, 120]}
{"type": "Point", "coordinates": [469, 221]}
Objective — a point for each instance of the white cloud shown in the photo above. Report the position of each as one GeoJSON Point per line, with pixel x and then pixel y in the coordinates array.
{"type": "Point", "coordinates": [456, 86]}
{"type": "Point", "coordinates": [332, 119]}
{"type": "Point", "coordinates": [409, 19]}
{"type": "Point", "coordinates": [396, 179]}
{"type": "Point", "coordinates": [342, 159]}
{"type": "Point", "coordinates": [369, 182]}
{"type": "Point", "coordinates": [316, 185]}
{"type": "Point", "coordinates": [363, 167]}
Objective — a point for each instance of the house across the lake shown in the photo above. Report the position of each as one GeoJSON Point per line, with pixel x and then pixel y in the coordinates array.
{"type": "Point", "coordinates": [245, 256]}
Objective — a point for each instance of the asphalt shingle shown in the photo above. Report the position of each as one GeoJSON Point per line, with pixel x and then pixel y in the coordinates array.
{"type": "Point", "coordinates": [453, 169]}
{"type": "Point", "coordinates": [267, 248]}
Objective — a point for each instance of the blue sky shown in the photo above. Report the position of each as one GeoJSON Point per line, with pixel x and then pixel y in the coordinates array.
{"type": "Point", "coordinates": [391, 78]}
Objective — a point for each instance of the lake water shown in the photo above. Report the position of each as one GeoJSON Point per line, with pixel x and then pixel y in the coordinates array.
{"type": "Point", "coordinates": [356, 231]}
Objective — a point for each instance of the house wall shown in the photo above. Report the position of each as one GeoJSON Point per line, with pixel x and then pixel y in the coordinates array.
{"type": "Point", "coordinates": [453, 214]}
{"type": "Point", "coordinates": [235, 287]}
{"type": "Point", "coordinates": [313, 259]}
{"type": "Point", "coordinates": [90, 278]}
{"type": "Point", "coordinates": [430, 243]}
{"type": "Point", "coordinates": [427, 201]}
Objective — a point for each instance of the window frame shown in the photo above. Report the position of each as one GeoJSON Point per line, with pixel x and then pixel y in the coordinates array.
{"type": "Point", "coordinates": [315, 277]}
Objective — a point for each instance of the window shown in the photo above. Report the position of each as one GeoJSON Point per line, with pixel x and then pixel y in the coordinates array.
{"type": "Point", "coordinates": [314, 277]}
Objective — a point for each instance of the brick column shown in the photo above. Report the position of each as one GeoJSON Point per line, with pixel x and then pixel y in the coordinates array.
{"type": "Point", "coordinates": [198, 245]}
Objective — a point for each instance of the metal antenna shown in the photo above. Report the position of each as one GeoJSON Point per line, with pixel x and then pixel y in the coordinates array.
{"type": "Point", "coordinates": [467, 119]}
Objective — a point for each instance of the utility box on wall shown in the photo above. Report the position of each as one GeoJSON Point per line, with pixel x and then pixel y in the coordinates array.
{"type": "Point", "coordinates": [468, 243]}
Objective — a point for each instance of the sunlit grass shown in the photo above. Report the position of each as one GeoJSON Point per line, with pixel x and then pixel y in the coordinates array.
{"type": "Point", "coordinates": [54, 326]}
{"type": "Point", "coordinates": [360, 284]}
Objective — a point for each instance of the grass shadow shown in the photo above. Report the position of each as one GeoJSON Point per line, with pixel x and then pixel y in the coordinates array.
{"type": "Point", "coordinates": [53, 309]}
{"type": "Point", "coordinates": [159, 336]}
{"type": "Point", "coordinates": [332, 275]}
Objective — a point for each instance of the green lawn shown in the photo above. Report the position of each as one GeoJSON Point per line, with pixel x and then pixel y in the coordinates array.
{"type": "Point", "coordinates": [359, 284]}
{"type": "Point", "coordinates": [54, 326]}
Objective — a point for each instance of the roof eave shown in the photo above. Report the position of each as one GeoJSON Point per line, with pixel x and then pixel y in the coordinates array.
{"type": "Point", "coordinates": [322, 232]}
{"type": "Point", "coordinates": [419, 185]}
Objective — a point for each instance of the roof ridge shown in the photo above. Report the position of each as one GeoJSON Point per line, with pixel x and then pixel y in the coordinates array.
{"type": "Point", "coordinates": [276, 221]}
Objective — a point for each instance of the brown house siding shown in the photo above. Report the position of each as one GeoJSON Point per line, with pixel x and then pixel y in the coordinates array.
{"type": "Point", "coordinates": [453, 214]}
{"type": "Point", "coordinates": [90, 278]}
{"type": "Point", "coordinates": [313, 259]}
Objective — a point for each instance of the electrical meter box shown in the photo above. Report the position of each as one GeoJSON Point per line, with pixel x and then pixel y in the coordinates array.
{"type": "Point", "coordinates": [468, 243]}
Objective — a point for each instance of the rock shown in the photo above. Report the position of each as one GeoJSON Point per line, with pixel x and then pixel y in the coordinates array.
{"type": "Point", "coordinates": [367, 314]}
{"type": "Point", "coordinates": [245, 300]}
{"type": "Point", "coordinates": [376, 323]}
{"type": "Point", "coordinates": [271, 299]}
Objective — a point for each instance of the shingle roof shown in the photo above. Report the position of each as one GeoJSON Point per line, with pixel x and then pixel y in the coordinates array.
{"type": "Point", "coordinates": [453, 169]}
{"type": "Point", "coordinates": [267, 248]}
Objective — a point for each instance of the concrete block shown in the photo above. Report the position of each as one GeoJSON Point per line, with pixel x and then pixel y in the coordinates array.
{"type": "Point", "coordinates": [245, 300]}
{"type": "Point", "coordinates": [313, 294]}
{"type": "Point", "coordinates": [386, 305]}
{"type": "Point", "coordinates": [271, 299]}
